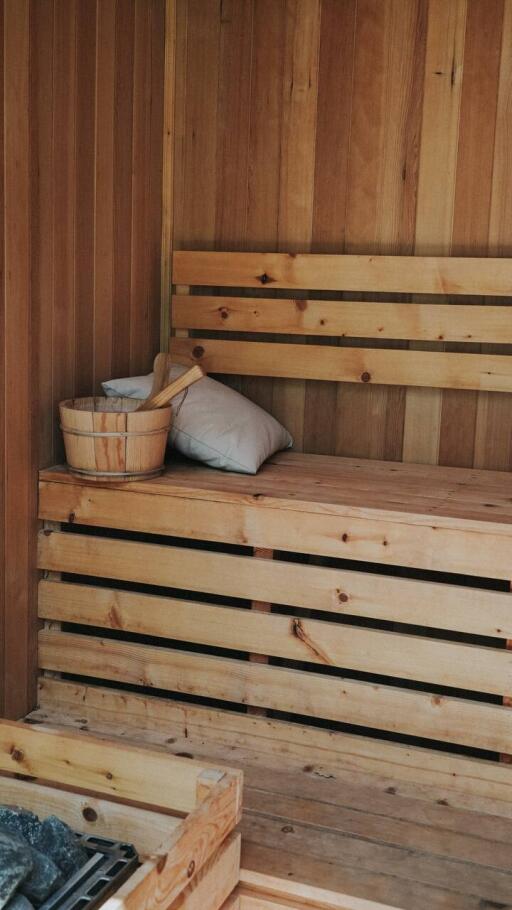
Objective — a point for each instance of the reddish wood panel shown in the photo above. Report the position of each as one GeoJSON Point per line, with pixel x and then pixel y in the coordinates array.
{"type": "Point", "coordinates": [312, 124]}
{"type": "Point", "coordinates": [98, 98]}
{"type": "Point", "coordinates": [16, 394]}
{"type": "Point", "coordinates": [81, 162]}
{"type": "Point", "coordinates": [2, 380]}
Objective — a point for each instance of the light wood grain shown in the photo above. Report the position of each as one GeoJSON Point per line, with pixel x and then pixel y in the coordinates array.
{"type": "Point", "coordinates": [93, 764]}
{"type": "Point", "coordinates": [91, 815]}
{"type": "Point", "coordinates": [386, 274]}
{"type": "Point", "coordinates": [380, 367]}
{"type": "Point", "coordinates": [462, 781]}
{"type": "Point", "coordinates": [333, 591]}
{"type": "Point", "coordinates": [217, 880]}
{"type": "Point", "coordinates": [442, 91]}
{"type": "Point", "coordinates": [296, 638]}
{"type": "Point", "coordinates": [459, 539]}
{"type": "Point", "coordinates": [358, 319]}
{"type": "Point", "coordinates": [381, 707]}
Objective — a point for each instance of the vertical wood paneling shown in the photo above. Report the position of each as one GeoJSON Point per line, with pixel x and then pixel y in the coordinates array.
{"type": "Point", "coordinates": [104, 192]}
{"type": "Point", "coordinates": [19, 479]}
{"type": "Point", "coordinates": [123, 185]}
{"type": "Point", "coordinates": [196, 178]}
{"type": "Point", "coordinates": [333, 129]}
{"type": "Point", "coordinates": [165, 170]}
{"type": "Point", "coordinates": [484, 30]}
{"type": "Point", "coordinates": [263, 175]}
{"type": "Point", "coordinates": [234, 119]}
{"type": "Point", "coordinates": [98, 101]}
{"type": "Point", "coordinates": [80, 196]}
{"type": "Point", "coordinates": [297, 174]}
{"type": "Point", "coordinates": [2, 378]}
{"type": "Point", "coordinates": [63, 363]}
{"type": "Point", "coordinates": [436, 192]}
{"type": "Point", "coordinates": [374, 126]}
{"type": "Point", "coordinates": [140, 312]}
{"type": "Point", "coordinates": [84, 209]}
{"type": "Point", "coordinates": [382, 186]}
{"type": "Point", "coordinates": [493, 434]}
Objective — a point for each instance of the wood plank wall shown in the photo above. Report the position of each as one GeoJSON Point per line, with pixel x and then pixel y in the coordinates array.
{"type": "Point", "coordinates": [352, 126]}
{"type": "Point", "coordinates": [81, 149]}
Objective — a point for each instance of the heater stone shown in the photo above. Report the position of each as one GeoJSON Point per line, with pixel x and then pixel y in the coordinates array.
{"type": "Point", "coordinates": [21, 821]}
{"type": "Point", "coordinates": [19, 902]}
{"type": "Point", "coordinates": [15, 864]}
{"type": "Point", "coordinates": [57, 841]}
{"type": "Point", "coordinates": [44, 879]}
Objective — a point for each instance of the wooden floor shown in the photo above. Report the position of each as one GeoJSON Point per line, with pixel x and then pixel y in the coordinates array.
{"type": "Point", "coordinates": [339, 830]}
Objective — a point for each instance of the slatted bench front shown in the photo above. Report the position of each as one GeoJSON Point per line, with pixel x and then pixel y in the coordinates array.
{"type": "Point", "coordinates": [366, 598]}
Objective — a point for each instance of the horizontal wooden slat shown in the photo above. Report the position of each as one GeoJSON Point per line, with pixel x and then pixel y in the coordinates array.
{"type": "Point", "coordinates": [405, 878]}
{"type": "Point", "coordinates": [309, 694]}
{"type": "Point", "coordinates": [262, 891]}
{"type": "Point", "coordinates": [432, 604]}
{"type": "Point", "coordinates": [444, 544]}
{"type": "Point", "coordinates": [91, 815]}
{"type": "Point", "coordinates": [432, 369]}
{"type": "Point", "coordinates": [288, 637]}
{"type": "Point", "coordinates": [327, 272]}
{"type": "Point", "coordinates": [308, 752]}
{"type": "Point", "coordinates": [356, 319]}
{"type": "Point", "coordinates": [92, 764]}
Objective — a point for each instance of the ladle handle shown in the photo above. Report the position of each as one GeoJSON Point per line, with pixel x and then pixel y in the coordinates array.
{"type": "Point", "coordinates": [174, 388]}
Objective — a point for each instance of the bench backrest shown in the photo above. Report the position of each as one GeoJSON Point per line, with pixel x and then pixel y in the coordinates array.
{"type": "Point", "coordinates": [300, 313]}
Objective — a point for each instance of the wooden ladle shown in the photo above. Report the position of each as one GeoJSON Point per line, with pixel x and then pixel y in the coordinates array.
{"type": "Point", "coordinates": [161, 370]}
{"type": "Point", "coordinates": [160, 399]}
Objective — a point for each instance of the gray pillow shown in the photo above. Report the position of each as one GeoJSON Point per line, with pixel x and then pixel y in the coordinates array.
{"type": "Point", "coordinates": [214, 424]}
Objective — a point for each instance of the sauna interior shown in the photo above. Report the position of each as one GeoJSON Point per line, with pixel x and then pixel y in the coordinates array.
{"type": "Point", "coordinates": [311, 200]}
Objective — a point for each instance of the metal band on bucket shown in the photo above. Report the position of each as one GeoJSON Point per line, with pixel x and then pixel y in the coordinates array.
{"type": "Point", "coordinates": [152, 472]}
{"type": "Point", "coordinates": [91, 433]}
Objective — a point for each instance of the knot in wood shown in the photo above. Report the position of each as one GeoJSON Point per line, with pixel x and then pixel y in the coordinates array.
{"type": "Point", "coordinates": [191, 868]}
{"type": "Point", "coordinates": [264, 279]}
{"type": "Point", "coordinates": [198, 352]}
{"type": "Point", "coordinates": [89, 814]}
{"type": "Point", "coordinates": [17, 754]}
{"type": "Point", "coordinates": [365, 377]}
{"type": "Point", "coordinates": [224, 312]}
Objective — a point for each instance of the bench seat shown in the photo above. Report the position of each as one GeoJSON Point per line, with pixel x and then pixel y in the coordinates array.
{"type": "Point", "coordinates": [359, 501]}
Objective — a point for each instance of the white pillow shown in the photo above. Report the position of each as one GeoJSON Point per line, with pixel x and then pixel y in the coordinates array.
{"type": "Point", "coordinates": [213, 423]}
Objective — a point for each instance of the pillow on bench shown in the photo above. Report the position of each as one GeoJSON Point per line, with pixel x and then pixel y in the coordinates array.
{"type": "Point", "coordinates": [213, 423]}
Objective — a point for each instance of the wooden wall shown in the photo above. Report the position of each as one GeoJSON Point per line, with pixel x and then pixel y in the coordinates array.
{"type": "Point", "coordinates": [81, 147]}
{"type": "Point", "coordinates": [352, 126]}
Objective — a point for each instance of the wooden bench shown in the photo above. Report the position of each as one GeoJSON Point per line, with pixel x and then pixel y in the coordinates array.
{"type": "Point", "coordinates": [337, 627]}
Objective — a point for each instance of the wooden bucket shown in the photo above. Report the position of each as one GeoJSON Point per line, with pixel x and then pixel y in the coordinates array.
{"type": "Point", "coordinates": [107, 439]}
